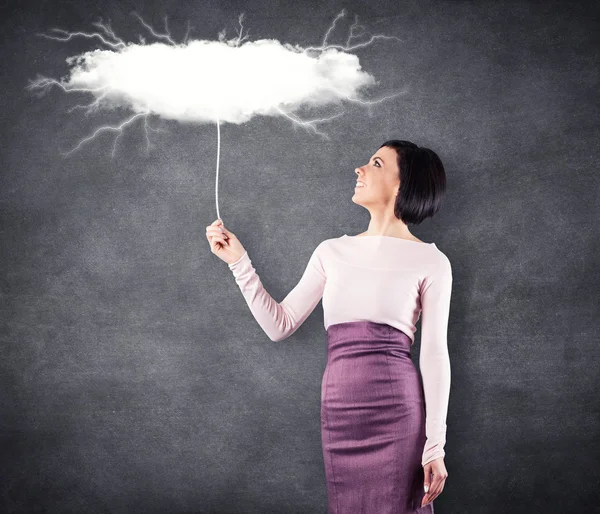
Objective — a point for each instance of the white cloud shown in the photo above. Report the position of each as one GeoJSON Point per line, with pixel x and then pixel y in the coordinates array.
{"type": "Point", "coordinates": [206, 81]}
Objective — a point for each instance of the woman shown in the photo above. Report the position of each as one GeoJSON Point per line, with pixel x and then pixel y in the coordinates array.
{"type": "Point", "coordinates": [383, 450]}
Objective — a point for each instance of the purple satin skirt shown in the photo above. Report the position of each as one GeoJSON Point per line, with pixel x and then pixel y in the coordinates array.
{"type": "Point", "coordinates": [372, 421]}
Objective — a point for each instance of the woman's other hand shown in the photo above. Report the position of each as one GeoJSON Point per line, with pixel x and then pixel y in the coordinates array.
{"type": "Point", "coordinates": [224, 243]}
{"type": "Point", "coordinates": [434, 485]}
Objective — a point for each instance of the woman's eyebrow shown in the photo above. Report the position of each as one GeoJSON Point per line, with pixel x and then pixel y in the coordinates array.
{"type": "Point", "coordinates": [377, 157]}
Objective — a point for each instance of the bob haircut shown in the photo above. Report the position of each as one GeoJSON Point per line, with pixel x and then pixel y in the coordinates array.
{"type": "Point", "coordinates": [422, 182]}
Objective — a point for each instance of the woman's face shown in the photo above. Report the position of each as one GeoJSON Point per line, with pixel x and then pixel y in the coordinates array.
{"type": "Point", "coordinates": [380, 178]}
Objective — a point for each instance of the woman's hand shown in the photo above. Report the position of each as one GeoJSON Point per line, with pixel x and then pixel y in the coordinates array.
{"type": "Point", "coordinates": [223, 243]}
{"type": "Point", "coordinates": [434, 485]}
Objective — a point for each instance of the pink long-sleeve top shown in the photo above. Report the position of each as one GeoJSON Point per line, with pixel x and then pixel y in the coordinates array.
{"type": "Point", "coordinates": [383, 279]}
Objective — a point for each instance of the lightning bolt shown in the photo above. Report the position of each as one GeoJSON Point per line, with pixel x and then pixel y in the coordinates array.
{"type": "Point", "coordinates": [166, 36]}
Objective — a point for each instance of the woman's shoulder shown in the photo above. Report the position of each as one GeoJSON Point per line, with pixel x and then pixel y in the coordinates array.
{"type": "Point", "coordinates": [440, 263]}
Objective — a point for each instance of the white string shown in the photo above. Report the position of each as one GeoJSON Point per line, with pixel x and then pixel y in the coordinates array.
{"type": "Point", "coordinates": [217, 178]}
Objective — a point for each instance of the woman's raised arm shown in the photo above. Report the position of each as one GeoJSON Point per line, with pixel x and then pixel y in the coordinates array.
{"type": "Point", "coordinates": [280, 320]}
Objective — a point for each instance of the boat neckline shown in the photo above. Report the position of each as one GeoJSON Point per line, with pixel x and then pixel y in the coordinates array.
{"type": "Point", "coordinates": [390, 237]}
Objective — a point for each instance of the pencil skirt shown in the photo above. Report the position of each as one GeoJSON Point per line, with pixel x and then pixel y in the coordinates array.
{"type": "Point", "coordinates": [372, 421]}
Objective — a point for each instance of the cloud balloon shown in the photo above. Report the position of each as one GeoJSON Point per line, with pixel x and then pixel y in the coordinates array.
{"type": "Point", "coordinates": [203, 81]}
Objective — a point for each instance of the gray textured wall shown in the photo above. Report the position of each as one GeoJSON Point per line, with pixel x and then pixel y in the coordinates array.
{"type": "Point", "coordinates": [135, 379]}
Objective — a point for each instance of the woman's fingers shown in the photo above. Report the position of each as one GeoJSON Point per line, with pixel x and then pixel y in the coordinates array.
{"type": "Point", "coordinates": [436, 487]}
{"type": "Point", "coordinates": [222, 242]}
{"type": "Point", "coordinates": [220, 239]}
{"type": "Point", "coordinates": [214, 231]}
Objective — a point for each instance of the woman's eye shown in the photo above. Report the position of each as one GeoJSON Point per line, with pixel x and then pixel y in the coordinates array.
{"type": "Point", "coordinates": [377, 162]}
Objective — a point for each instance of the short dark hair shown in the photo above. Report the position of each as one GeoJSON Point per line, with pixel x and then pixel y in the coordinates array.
{"type": "Point", "coordinates": [422, 182]}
